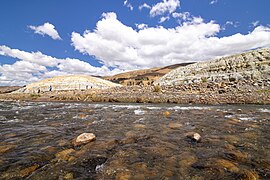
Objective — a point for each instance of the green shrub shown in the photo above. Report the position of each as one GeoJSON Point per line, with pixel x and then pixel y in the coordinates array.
{"type": "Point", "coordinates": [204, 79]}
{"type": "Point", "coordinates": [34, 95]}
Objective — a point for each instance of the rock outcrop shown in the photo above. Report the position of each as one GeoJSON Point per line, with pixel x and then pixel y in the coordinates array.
{"type": "Point", "coordinates": [253, 66]}
{"type": "Point", "coordinates": [67, 83]}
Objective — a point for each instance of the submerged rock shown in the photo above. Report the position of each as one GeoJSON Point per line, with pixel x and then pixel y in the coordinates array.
{"type": "Point", "coordinates": [84, 138]}
{"type": "Point", "coordinates": [175, 125]}
{"type": "Point", "coordinates": [82, 116]}
{"type": "Point", "coordinates": [123, 176]}
{"type": "Point", "coordinates": [237, 155]}
{"type": "Point", "coordinates": [6, 148]}
{"type": "Point", "coordinates": [27, 171]}
{"type": "Point", "coordinates": [248, 175]}
{"type": "Point", "coordinates": [139, 126]}
{"type": "Point", "coordinates": [228, 165]}
{"type": "Point", "coordinates": [65, 154]}
{"type": "Point", "coordinates": [166, 113]}
{"type": "Point", "coordinates": [68, 176]}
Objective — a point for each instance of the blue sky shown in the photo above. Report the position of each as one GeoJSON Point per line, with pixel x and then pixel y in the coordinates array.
{"type": "Point", "coordinates": [40, 39]}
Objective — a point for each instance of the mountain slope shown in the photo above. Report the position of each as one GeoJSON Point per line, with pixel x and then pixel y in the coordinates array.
{"type": "Point", "coordinates": [142, 77]}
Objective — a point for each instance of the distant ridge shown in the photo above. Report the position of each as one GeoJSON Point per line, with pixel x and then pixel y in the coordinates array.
{"type": "Point", "coordinates": [144, 76]}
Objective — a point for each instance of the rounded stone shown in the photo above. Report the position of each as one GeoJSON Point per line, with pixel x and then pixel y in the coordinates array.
{"type": "Point", "coordinates": [166, 113]}
{"type": "Point", "coordinates": [84, 138]}
{"type": "Point", "coordinates": [194, 136]}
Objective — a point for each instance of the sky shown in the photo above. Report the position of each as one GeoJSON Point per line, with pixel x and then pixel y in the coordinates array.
{"type": "Point", "coordinates": [41, 39]}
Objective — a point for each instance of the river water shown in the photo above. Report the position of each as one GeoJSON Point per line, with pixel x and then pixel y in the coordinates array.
{"type": "Point", "coordinates": [134, 141]}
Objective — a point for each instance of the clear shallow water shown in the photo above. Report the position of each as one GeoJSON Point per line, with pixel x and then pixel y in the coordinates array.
{"type": "Point", "coordinates": [134, 141]}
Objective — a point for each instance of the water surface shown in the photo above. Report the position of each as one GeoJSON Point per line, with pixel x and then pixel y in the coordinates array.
{"type": "Point", "coordinates": [133, 141]}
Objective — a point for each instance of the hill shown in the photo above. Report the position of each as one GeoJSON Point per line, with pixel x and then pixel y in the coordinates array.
{"type": "Point", "coordinates": [67, 83]}
{"type": "Point", "coordinates": [251, 67]}
{"type": "Point", "coordinates": [144, 76]}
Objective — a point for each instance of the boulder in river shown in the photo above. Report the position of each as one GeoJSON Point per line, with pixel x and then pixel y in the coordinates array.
{"type": "Point", "coordinates": [196, 137]}
{"type": "Point", "coordinates": [84, 138]}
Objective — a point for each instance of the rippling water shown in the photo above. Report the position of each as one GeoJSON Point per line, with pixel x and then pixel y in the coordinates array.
{"type": "Point", "coordinates": [133, 141]}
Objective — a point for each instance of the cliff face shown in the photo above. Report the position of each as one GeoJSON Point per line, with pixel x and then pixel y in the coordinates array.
{"type": "Point", "coordinates": [66, 83]}
{"type": "Point", "coordinates": [251, 66]}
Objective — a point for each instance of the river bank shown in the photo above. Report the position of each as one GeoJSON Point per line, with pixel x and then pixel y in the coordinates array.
{"type": "Point", "coordinates": [203, 93]}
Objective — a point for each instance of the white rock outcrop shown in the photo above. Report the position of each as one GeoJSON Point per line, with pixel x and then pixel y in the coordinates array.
{"type": "Point", "coordinates": [67, 83]}
{"type": "Point", "coordinates": [84, 138]}
{"type": "Point", "coordinates": [253, 65]}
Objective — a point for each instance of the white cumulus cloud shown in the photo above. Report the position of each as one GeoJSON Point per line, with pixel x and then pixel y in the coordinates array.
{"type": "Point", "coordinates": [34, 57]}
{"type": "Point", "coordinates": [144, 5]}
{"type": "Point", "coordinates": [128, 5]}
{"type": "Point", "coordinates": [164, 18]}
{"type": "Point", "coordinates": [118, 45]}
{"type": "Point", "coordinates": [255, 23]}
{"type": "Point", "coordinates": [46, 29]}
{"type": "Point", "coordinates": [167, 6]}
{"type": "Point", "coordinates": [186, 17]}
{"type": "Point", "coordinates": [141, 26]}
{"type": "Point", "coordinates": [213, 2]}
{"type": "Point", "coordinates": [33, 66]}
{"type": "Point", "coordinates": [230, 23]}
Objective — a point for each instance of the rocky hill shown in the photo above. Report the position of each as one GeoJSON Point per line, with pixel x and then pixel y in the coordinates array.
{"type": "Point", "coordinates": [142, 77]}
{"type": "Point", "coordinates": [250, 67]}
{"type": "Point", "coordinates": [67, 83]}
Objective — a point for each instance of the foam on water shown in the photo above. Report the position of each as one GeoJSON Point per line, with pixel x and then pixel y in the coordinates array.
{"type": "Point", "coordinates": [125, 106]}
{"type": "Point", "coordinates": [264, 110]}
{"type": "Point", "coordinates": [141, 120]}
{"type": "Point", "coordinates": [139, 112]}
{"type": "Point", "coordinates": [188, 108]}
{"type": "Point", "coordinates": [246, 118]}
{"type": "Point", "coordinates": [153, 108]}
{"type": "Point", "coordinates": [14, 120]}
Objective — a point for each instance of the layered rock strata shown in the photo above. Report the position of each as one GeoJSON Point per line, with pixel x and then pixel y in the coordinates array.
{"type": "Point", "coordinates": [253, 66]}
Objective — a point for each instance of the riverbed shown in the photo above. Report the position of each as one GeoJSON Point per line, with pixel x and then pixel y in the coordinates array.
{"type": "Point", "coordinates": [134, 141]}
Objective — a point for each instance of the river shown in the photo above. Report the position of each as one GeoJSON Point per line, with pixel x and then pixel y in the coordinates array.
{"type": "Point", "coordinates": [133, 141]}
